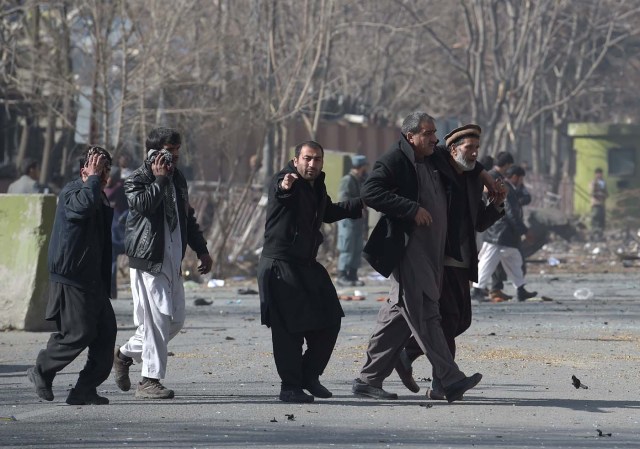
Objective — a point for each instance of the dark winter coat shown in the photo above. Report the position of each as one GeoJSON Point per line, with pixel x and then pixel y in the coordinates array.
{"type": "Point", "coordinates": [144, 235]}
{"type": "Point", "coordinates": [480, 215]}
{"type": "Point", "coordinates": [508, 231]}
{"type": "Point", "coordinates": [392, 188]}
{"type": "Point", "coordinates": [80, 245]}
{"type": "Point", "coordinates": [289, 277]}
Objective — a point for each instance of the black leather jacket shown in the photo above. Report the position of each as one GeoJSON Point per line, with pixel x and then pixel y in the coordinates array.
{"type": "Point", "coordinates": [144, 235]}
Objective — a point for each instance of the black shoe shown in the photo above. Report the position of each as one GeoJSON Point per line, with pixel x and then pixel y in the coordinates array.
{"type": "Point", "coordinates": [43, 388]}
{"type": "Point", "coordinates": [296, 396]}
{"type": "Point", "coordinates": [478, 294]}
{"type": "Point", "coordinates": [405, 372]}
{"type": "Point", "coordinates": [317, 389]}
{"type": "Point", "coordinates": [456, 391]}
{"type": "Point", "coordinates": [523, 294]}
{"type": "Point", "coordinates": [90, 397]}
{"type": "Point", "coordinates": [361, 388]}
{"type": "Point", "coordinates": [436, 395]}
{"type": "Point", "coordinates": [344, 282]}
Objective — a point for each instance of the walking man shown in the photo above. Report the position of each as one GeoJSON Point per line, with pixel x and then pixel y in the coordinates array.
{"type": "Point", "coordinates": [405, 185]}
{"type": "Point", "coordinates": [502, 242]}
{"type": "Point", "coordinates": [160, 225]}
{"type": "Point", "coordinates": [467, 213]}
{"type": "Point", "coordinates": [79, 283]}
{"type": "Point", "coordinates": [297, 298]}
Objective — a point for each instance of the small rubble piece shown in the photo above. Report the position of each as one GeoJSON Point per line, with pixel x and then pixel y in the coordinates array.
{"type": "Point", "coordinates": [600, 434]}
{"type": "Point", "coordinates": [290, 417]}
{"type": "Point", "coordinates": [274, 420]}
{"type": "Point", "coordinates": [247, 291]}
{"type": "Point", "coordinates": [577, 383]}
{"type": "Point", "coordinates": [426, 405]}
{"type": "Point", "coordinates": [202, 302]}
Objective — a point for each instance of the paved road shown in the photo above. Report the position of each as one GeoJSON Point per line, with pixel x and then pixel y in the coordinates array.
{"type": "Point", "coordinates": [226, 384]}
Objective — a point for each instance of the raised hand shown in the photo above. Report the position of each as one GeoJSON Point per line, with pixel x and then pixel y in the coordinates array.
{"type": "Point", "coordinates": [287, 181]}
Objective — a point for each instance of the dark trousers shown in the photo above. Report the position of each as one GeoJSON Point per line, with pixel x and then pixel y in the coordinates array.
{"type": "Point", "coordinates": [455, 310]}
{"type": "Point", "coordinates": [84, 320]}
{"type": "Point", "coordinates": [597, 220]}
{"type": "Point", "coordinates": [294, 367]}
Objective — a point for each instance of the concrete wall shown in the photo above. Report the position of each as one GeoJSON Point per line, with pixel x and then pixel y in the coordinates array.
{"type": "Point", "coordinates": [27, 221]}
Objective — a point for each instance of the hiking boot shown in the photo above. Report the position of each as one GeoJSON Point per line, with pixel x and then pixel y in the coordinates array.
{"type": "Point", "coordinates": [153, 389]}
{"type": "Point", "coordinates": [43, 388]}
{"type": "Point", "coordinates": [90, 397]}
{"type": "Point", "coordinates": [523, 294]}
{"type": "Point", "coordinates": [121, 364]}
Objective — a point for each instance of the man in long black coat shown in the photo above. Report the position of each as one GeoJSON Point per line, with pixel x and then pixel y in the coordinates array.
{"type": "Point", "coordinates": [297, 298]}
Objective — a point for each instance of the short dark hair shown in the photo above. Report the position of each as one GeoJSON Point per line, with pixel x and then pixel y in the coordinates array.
{"type": "Point", "coordinates": [486, 161]}
{"type": "Point", "coordinates": [93, 149]}
{"type": "Point", "coordinates": [309, 143]}
{"type": "Point", "coordinates": [598, 170]}
{"type": "Point", "coordinates": [160, 137]}
{"type": "Point", "coordinates": [503, 158]}
{"type": "Point", "coordinates": [515, 170]}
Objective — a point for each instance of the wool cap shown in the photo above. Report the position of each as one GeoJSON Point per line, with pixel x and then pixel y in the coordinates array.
{"type": "Point", "coordinates": [358, 160]}
{"type": "Point", "coordinates": [463, 131]}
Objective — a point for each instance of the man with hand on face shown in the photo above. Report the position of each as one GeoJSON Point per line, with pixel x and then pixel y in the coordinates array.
{"type": "Point", "coordinates": [160, 225]}
{"type": "Point", "coordinates": [79, 283]}
{"type": "Point", "coordinates": [467, 213]}
{"type": "Point", "coordinates": [297, 298]}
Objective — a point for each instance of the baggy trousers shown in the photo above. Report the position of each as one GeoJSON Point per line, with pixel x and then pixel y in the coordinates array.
{"type": "Point", "coordinates": [84, 320]}
{"type": "Point", "coordinates": [393, 330]}
{"type": "Point", "coordinates": [294, 367]}
{"type": "Point", "coordinates": [455, 310]}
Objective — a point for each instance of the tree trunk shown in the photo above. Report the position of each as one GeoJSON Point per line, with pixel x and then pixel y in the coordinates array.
{"type": "Point", "coordinates": [48, 145]}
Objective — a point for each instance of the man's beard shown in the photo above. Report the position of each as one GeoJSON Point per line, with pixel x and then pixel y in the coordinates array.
{"type": "Point", "coordinates": [463, 163]}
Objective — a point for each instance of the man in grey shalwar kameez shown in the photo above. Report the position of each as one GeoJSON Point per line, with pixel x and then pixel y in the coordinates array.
{"type": "Point", "coordinates": [406, 187]}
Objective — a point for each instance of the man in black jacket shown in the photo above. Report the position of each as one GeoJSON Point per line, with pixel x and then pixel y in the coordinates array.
{"type": "Point", "coordinates": [467, 213]}
{"type": "Point", "coordinates": [405, 184]}
{"type": "Point", "coordinates": [502, 241]}
{"type": "Point", "coordinates": [297, 298]}
{"type": "Point", "coordinates": [160, 225]}
{"type": "Point", "coordinates": [80, 280]}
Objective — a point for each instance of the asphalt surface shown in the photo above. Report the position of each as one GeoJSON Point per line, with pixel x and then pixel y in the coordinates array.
{"type": "Point", "coordinates": [226, 384]}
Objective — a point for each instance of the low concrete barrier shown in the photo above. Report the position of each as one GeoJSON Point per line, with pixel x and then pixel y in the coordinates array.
{"type": "Point", "coordinates": [25, 226]}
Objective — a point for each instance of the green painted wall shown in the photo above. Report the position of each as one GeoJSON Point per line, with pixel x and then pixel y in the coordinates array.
{"type": "Point", "coordinates": [27, 221]}
{"type": "Point", "coordinates": [592, 143]}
